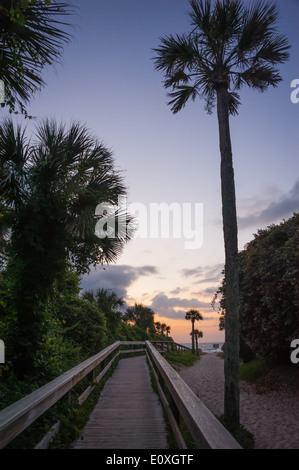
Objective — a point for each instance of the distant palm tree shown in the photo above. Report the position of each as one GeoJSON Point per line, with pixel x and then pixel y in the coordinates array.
{"type": "Point", "coordinates": [168, 330]}
{"type": "Point", "coordinates": [141, 316]}
{"type": "Point", "coordinates": [230, 45]}
{"type": "Point", "coordinates": [31, 36]}
{"type": "Point", "coordinates": [163, 328]}
{"type": "Point", "coordinates": [197, 334]}
{"type": "Point", "coordinates": [158, 326]}
{"type": "Point", "coordinates": [193, 315]}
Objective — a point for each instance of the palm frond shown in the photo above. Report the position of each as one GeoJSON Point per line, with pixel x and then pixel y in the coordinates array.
{"type": "Point", "coordinates": [14, 157]}
{"type": "Point", "coordinates": [259, 77]}
{"type": "Point", "coordinates": [28, 45]}
{"type": "Point", "coordinates": [181, 96]}
{"type": "Point", "coordinates": [233, 103]}
{"type": "Point", "coordinates": [258, 25]}
{"type": "Point", "coordinates": [175, 54]}
{"type": "Point", "coordinates": [273, 50]}
{"type": "Point", "coordinates": [227, 20]}
{"type": "Point", "coordinates": [201, 15]}
{"type": "Point", "coordinates": [177, 78]}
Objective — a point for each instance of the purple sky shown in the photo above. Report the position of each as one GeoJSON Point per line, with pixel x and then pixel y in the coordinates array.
{"type": "Point", "coordinates": [107, 80]}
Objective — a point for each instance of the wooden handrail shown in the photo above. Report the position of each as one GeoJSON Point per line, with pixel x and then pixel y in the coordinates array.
{"type": "Point", "coordinates": [18, 416]}
{"type": "Point", "coordinates": [204, 427]}
{"type": "Point", "coordinates": [172, 345]}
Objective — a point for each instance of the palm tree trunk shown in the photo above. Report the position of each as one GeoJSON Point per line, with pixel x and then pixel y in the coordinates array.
{"type": "Point", "coordinates": [193, 320]}
{"type": "Point", "coordinates": [230, 230]}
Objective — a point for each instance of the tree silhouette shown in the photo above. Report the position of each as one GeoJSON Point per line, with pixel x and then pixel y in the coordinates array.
{"type": "Point", "coordinates": [197, 334]}
{"type": "Point", "coordinates": [230, 45]}
{"type": "Point", "coordinates": [51, 187]}
{"type": "Point", "coordinates": [193, 315]}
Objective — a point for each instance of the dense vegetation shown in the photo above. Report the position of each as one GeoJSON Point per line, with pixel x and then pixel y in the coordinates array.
{"type": "Point", "coordinates": [48, 194]}
{"type": "Point", "coordinates": [76, 326]}
{"type": "Point", "coordinates": [269, 287]}
{"type": "Point", "coordinates": [50, 189]}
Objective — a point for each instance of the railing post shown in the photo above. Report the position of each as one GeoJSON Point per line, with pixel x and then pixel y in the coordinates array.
{"type": "Point", "coordinates": [90, 376]}
{"type": "Point", "coordinates": [174, 410]}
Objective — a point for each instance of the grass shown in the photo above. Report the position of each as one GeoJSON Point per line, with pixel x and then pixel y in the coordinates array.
{"type": "Point", "coordinates": [253, 371]}
{"type": "Point", "coordinates": [269, 377]}
{"type": "Point", "coordinates": [244, 437]}
{"type": "Point", "coordinates": [177, 358]}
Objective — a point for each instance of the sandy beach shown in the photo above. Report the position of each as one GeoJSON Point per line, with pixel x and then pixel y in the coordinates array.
{"type": "Point", "coordinates": [272, 417]}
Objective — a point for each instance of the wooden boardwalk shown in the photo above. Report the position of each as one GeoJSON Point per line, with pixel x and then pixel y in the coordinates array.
{"type": "Point", "coordinates": [128, 414]}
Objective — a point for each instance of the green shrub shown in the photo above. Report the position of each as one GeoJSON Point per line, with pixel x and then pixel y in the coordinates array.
{"type": "Point", "coordinates": [253, 371]}
{"type": "Point", "coordinates": [180, 359]}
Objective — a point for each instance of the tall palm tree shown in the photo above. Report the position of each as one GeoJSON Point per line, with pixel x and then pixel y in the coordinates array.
{"type": "Point", "coordinates": [193, 315]}
{"type": "Point", "coordinates": [32, 35]}
{"type": "Point", "coordinates": [230, 45]}
{"type": "Point", "coordinates": [52, 187]}
{"type": "Point", "coordinates": [168, 328]}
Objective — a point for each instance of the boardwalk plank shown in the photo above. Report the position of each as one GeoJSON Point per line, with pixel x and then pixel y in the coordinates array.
{"type": "Point", "coordinates": [128, 414]}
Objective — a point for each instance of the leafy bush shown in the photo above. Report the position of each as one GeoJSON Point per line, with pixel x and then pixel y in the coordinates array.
{"type": "Point", "coordinates": [269, 292]}
{"type": "Point", "coordinates": [246, 353]}
{"type": "Point", "coordinates": [253, 371]}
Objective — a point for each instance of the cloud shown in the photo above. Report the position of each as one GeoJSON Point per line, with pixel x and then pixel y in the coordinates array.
{"type": "Point", "coordinates": [176, 291]}
{"type": "Point", "coordinates": [211, 290]}
{"type": "Point", "coordinates": [205, 274]}
{"type": "Point", "coordinates": [175, 307]}
{"type": "Point", "coordinates": [115, 277]}
{"type": "Point", "coordinates": [275, 211]}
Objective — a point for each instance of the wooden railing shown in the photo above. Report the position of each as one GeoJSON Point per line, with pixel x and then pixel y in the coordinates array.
{"type": "Point", "coordinates": [163, 346]}
{"type": "Point", "coordinates": [20, 415]}
{"type": "Point", "coordinates": [205, 429]}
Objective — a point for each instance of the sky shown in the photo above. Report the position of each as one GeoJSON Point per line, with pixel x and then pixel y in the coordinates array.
{"type": "Point", "coordinates": [107, 80]}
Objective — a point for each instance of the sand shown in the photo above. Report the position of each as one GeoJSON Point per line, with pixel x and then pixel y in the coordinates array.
{"type": "Point", "coordinates": [272, 417]}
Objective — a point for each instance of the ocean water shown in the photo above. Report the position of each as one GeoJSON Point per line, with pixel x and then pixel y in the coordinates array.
{"type": "Point", "coordinates": [207, 347]}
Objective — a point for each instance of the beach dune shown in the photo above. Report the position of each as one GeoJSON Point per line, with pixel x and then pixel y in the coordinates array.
{"type": "Point", "coordinates": [272, 416]}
